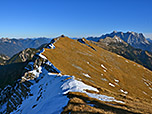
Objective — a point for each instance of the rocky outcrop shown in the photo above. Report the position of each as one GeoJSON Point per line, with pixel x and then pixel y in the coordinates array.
{"type": "Point", "coordinates": [23, 56]}
{"type": "Point", "coordinates": [3, 59]}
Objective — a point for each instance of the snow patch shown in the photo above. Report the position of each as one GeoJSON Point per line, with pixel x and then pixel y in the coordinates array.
{"type": "Point", "coordinates": [126, 61]}
{"type": "Point", "coordinates": [104, 70]}
{"type": "Point", "coordinates": [116, 80]}
{"type": "Point", "coordinates": [78, 67]}
{"type": "Point", "coordinates": [125, 92]}
{"type": "Point", "coordinates": [146, 84]}
{"type": "Point", "coordinates": [86, 75]}
{"type": "Point", "coordinates": [73, 85]}
{"type": "Point", "coordinates": [150, 88]}
{"type": "Point", "coordinates": [103, 66]}
{"type": "Point", "coordinates": [104, 98]}
{"type": "Point", "coordinates": [118, 56]}
{"type": "Point", "coordinates": [51, 46]}
{"type": "Point", "coordinates": [144, 93]}
{"type": "Point", "coordinates": [104, 79]}
{"type": "Point", "coordinates": [111, 84]}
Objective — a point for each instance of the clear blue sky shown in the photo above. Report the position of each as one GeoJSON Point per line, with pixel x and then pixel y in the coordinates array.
{"type": "Point", "coordinates": [75, 18]}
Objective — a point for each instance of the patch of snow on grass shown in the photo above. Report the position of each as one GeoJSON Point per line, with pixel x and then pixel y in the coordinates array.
{"type": "Point", "coordinates": [40, 55]}
{"type": "Point", "coordinates": [146, 84]}
{"type": "Point", "coordinates": [125, 92]}
{"type": "Point", "coordinates": [86, 75]}
{"type": "Point", "coordinates": [104, 79]}
{"type": "Point", "coordinates": [118, 55]}
{"type": "Point", "coordinates": [116, 80]}
{"type": "Point", "coordinates": [126, 61]}
{"type": "Point", "coordinates": [73, 85]}
{"type": "Point", "coordinates": [51, 46]}
{"type": "Point", "coordinates": [111, 84]}
{"type": "Point", "coordinates": [78, 67]}
{"type": "Point", "coordinates": [145, 93]}
{"type": "Point", "coordinates": [150, 88]}
{"type": "Point", "coordinates": [104, 70]}
{"type": "Point", "coordinates": [103, 98]}
{"type": "Point", "coordinates": [103, 66]}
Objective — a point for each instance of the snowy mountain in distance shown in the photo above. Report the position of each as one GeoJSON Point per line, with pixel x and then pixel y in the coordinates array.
{"type": "Point", "coordinates": [10, 47]}
{"type": "Point", "coordinates": [76, 76]}
{"type": "Point", "coordinates": [137, 40]}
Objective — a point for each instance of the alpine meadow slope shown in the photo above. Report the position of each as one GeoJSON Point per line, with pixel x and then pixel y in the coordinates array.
{"type": "Point", "coordinates": [76, 76]}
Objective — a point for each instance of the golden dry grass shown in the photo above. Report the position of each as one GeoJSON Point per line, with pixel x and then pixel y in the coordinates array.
{"type": "Point", "coordinates": [74, 58]}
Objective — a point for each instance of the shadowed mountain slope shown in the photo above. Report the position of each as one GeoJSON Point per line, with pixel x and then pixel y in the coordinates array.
{"type": "Point", "coordinates": [10, 47]}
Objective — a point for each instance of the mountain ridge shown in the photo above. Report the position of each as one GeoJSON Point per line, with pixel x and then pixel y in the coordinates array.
{"type": "Point", "coordinates": [89, 80]}
{"type": "Point", "coordinates": [10, 47]}
{"type": "Point", "coordinates": [137, 40]}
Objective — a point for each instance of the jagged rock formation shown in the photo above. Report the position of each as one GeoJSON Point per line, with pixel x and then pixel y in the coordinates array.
{"type": "Point", "coordinates": [79, 77]}
{"type": "Point", "coordinates": [3, 59]}
{"type": "Point", "coordinates": [134, 39]}
{"type": "Point", "coordinates": [23, 56]}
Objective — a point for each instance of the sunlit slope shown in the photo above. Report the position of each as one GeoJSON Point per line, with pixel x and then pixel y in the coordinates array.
{"type": "Point", "coordinates": [100, 68]}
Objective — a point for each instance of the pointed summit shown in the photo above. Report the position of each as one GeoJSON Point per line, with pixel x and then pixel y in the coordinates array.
{"type": "Point", "coordinates": [114, 31]}
{"type": "Point", "coordinates": [62, 35]}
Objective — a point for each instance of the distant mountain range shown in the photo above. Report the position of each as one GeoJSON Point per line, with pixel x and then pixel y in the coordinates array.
{"type": "Point", "coordinates": [137, 40]}
{"type": "Point", "coordinates": [9, 47]}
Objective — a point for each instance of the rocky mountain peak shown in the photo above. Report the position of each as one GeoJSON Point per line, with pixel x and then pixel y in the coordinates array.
{"type": "Point", "coordinates": [137, 40]}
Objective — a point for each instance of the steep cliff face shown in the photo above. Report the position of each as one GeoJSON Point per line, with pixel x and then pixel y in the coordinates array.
{"type": "Point", "coordinates": [76, 76]}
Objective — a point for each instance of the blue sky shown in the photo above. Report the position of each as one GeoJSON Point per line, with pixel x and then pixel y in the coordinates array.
{"type": "Point", "coordinates": [74, 18]}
